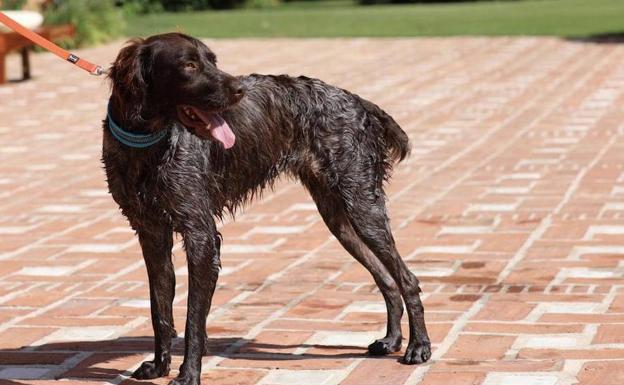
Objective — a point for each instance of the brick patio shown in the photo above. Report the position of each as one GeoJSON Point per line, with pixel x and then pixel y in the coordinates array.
{"type": "Point", "coordinates": [510, 210]}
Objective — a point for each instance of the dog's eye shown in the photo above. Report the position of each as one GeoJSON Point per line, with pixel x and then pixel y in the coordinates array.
{"type": "Point", "coordinates": [190, 66]}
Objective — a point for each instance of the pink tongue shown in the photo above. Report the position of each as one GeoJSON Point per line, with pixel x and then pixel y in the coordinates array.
{"type": "Point", "coordinates": [219, 129]}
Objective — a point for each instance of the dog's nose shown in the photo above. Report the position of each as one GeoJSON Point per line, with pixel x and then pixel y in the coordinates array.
{"type": "Point", "coordinates": [238, 89]}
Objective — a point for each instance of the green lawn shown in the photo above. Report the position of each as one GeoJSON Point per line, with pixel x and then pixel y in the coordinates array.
{"type": "Point", "coordinates": [343, 18]}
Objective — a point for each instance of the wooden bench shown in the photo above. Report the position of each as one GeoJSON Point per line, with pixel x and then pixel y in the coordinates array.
{"type": "Point", "coordinates": [12, 41]}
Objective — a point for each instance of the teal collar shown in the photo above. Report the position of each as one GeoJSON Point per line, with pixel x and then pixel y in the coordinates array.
{"type": "Point", "coordinates": [131, 139]}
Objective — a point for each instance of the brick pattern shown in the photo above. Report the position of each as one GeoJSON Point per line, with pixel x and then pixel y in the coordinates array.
{"type": "Point", "coordinates": [510, 210]}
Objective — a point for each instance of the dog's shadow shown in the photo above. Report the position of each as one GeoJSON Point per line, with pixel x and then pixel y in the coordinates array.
{"type": "Point", "coordinates": [91, 359]}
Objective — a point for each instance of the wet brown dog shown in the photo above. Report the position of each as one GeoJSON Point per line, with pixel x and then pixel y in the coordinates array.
{"type": "Point", "coordinates": [219, 140]}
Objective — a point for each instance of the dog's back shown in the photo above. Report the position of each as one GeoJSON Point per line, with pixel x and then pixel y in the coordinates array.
{"type": "Point", "coordinates": [308, 129]}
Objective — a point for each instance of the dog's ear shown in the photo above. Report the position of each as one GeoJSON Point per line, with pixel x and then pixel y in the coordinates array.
{"type": "Point", "coordinates": [128, 72]}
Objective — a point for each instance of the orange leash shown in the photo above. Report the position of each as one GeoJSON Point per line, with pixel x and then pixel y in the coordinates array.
{"type": "Point", "coordinates": [93, 69]}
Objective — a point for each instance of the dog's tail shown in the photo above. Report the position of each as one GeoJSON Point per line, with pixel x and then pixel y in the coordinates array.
{"type": "Point", "coordinates": [396, 138]}
{"type": "Point", "coordinates": [397, 142]}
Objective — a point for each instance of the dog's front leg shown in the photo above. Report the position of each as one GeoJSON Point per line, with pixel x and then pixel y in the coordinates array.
{"type": "Point", "coordinates": [156, 241]}
{"type": "Point", "coordinates": [202, 253]}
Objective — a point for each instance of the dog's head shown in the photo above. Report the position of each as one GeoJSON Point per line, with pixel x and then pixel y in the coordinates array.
{"type": "Point", "coordinates": [176, 76]}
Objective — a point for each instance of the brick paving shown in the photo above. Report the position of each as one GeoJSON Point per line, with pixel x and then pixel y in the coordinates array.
{"type": "Point", "coordinates": [510, 210]}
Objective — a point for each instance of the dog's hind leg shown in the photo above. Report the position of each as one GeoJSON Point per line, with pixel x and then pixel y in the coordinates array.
{"type": "Point", "coordinates": [366, 210]}
{"type": "Point", "coordinates": [156, 242]}
{"type": "Point", "coordinates": [332, 211]}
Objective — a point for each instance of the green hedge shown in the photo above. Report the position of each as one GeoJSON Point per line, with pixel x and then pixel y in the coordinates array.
{"type": "Point", "coordinates": [12, 4]}
{"type": "Point", "coordinates": [368, 2]}
{"type": "Point", "coordinates": [146, 6]}
{"type": "Point", "coordinates": [96, 21]}
{"type": "Point", "coordinates": [149, 6]}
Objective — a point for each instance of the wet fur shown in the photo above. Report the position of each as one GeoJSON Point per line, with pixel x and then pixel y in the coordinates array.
{"type": "Point", "coordinates": [340, 146]}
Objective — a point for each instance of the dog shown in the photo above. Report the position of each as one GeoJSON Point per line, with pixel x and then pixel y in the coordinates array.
{"type": "Point", "coordinates": [185, 143]}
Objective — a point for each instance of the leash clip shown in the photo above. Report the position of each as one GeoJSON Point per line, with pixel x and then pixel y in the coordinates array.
{"type": "Point", "coordinates": [98, 71]}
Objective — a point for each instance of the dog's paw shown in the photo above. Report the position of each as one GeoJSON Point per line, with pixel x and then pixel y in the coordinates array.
{"type": "Point", "coordinates": [417, 353]}
{"type": "Point", "coordinates": [150, 370]}
{"type": "Point", "coordinates": [384, 346]}
{"type": "Point", "coordinates": [184, 380]}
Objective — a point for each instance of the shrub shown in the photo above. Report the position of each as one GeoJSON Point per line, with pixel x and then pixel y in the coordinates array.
{"type": "Point", "coordinates": [141, 6]}
{"type": "Point", "coordinates": [12, 4]}
{"type": "Point", "coordinates": [96, 21]}
{"type": "Point", "coordinates": [145, 6]}
{"type": "Point", "coordinates": [261, 3]}
{"type": "Point", "coordinates": [368, 2]}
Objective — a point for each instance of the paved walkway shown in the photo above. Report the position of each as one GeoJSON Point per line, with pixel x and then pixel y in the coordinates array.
{"type": "Point", "coordinates": [510, 210]}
